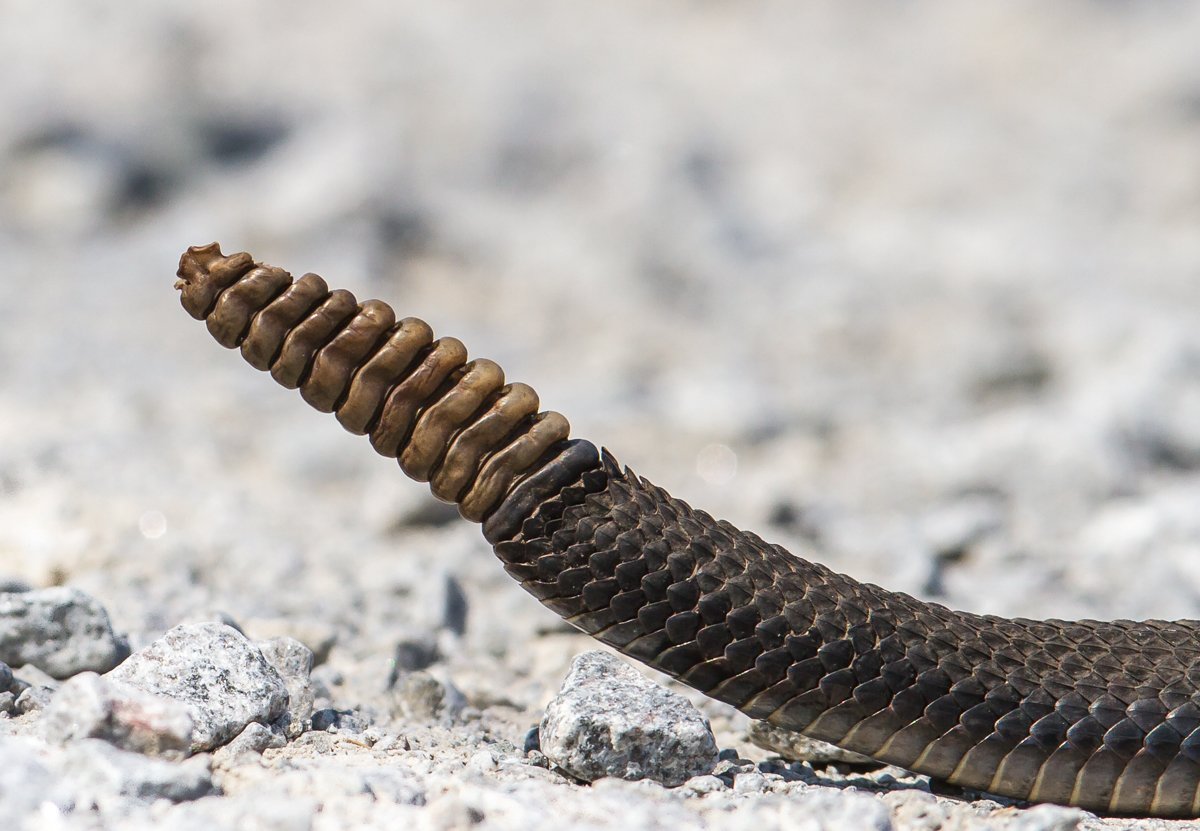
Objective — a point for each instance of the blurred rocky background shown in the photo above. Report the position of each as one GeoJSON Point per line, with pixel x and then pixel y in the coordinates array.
{"type": "Point", "coordinates": [910, 288]}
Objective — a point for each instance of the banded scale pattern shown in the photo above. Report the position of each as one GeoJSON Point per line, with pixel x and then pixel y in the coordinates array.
{"type": "Point", "coordinates": [1103, 715]}
{"type": "Point", "coordinates": [451, 422]}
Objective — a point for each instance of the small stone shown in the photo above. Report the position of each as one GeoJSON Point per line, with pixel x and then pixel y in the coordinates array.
{"type": "Point", "coordinates": [916, 810]}
{"type": "Point", "coordinates": [414, 653]}
{"type": "Point", "coordinates": [796, 747]}
{"type": "Point", "coordinates": [704, 784]}
{"type": "Point", "coordinates": [6, 677]}
{"type": "Point", "coordinates": [338, 721]}
{"type": "Point", "coordinates": [221, 677]}
{"type": "Point", "coordinates": [8, 704]}
{"type": "Point", "coordinates": [450, 607]}
{"type": "Point", "coordinates": [753, 782]}
{"type": "Point", "coordinates": [61, 631]}
{"type": "Point", "coordinates": [730, 768]}
{"type": "Point", "coordinates": [92, 706]}
{"type": "Point", "coordinates": [483, 760]}
{"type": "Point", "coordinates": [422, 697]}
{"type": "Point", "coordinates": [609, 720]}
{"type": "Point", "coordinates": [533, 740]}
{"type": "Point", "coordinates": [33, 699]}
{"type": "Point", "coordinates": [250, 742]}
{"type": "Point", "coordinates": [100, 771]}
{"type": "Point", "coordinates": [294, 662]}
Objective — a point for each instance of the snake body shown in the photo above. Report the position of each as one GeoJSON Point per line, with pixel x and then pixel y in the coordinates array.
{"type": "Point", "coordinates": [1102, 715]}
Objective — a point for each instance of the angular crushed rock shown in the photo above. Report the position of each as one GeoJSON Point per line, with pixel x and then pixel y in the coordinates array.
{"type": "Point", "coordinates": [250, 742]}
{"type": "Point", "coordinates": [294, 662]}
{"type": "Point", "coordinates": [98, 772]}
{"type": "Point", "coordinates": [221, 677]}
{"type": "Point", "coordinates": [61, 631]}
{"type": "Point", "coordinates": [97, 707]}
{"type": "Point", "coordinates": [609, 720]}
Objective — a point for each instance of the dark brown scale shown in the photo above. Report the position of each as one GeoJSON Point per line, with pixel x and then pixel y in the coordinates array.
{"type": "Point", "coordinates": [502, 468]}
{"type": "Point", "coordinates": [1104, 715]}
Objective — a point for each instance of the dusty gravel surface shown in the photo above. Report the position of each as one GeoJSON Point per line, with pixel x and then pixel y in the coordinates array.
{"type": "Point", "coordinates": [913, 289]}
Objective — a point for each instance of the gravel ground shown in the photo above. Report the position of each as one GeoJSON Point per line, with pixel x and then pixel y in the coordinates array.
{"type": "Point", "coordinates": [912, 288]}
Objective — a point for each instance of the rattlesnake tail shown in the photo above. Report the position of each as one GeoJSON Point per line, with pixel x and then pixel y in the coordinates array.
{"type": "Point", "coordinates": [455, 423]}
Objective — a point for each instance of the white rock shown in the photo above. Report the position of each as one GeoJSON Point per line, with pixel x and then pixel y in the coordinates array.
{"type": "Point", "coordinates": [752, 782]}
{"type": "Point", "coordinates": [99, 772]}
{"type": "Point", "coordinates": [92, 706]}
{"type": "Point", "coordinates": [61, 631]}
{"type": "Point", "coordinates": [294, 662]}
{"type": "Point", "coordinates": [250, 742]}
{"type": "Point", "coordinates": [221, 677]}
{"type": "Point", "coordinates": [704, 784]}
{"type": "Point", "coordinates": [609, 720]}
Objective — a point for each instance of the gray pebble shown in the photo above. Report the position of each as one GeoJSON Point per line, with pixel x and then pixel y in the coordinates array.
{"type": "Point", "coordinates": [289, 656]}
{"type": "Point", "coordinates": [704, 784]}
{"type": "Point", "coordinates": [61, 631]}
{"type": "Point", "coordinates": [916, 810]}
{"type": "Point", "coordinates": [8, 704]}
{"type": "Point", "coordinates": [752, 782]}
{"type": "Point", "coordinates": [609, 720]}
{"type": "Point", "coordinates": [537, 759]}
{"type": "Point", "coordinates": [413, 653]}
{"type": "Point", "coordinates": [730, 768]}
{"type": "Point", "coordinates": [339, 721]}
{"type": "Point", "coordinates": [482, 760]}
{"type": "Point", "coordinates": [533, 740]}
{"type": "Point", "coordinates": [294, 662]}
{"type": "Point", "coordinates": [221, 677]}
{"type": "Point", "coordinates": [93, 706]}
{"type": "Point", "coordinates": [250, 742]}
{"type": "Point", "coordinates": [6, 677]}
{"type": "Point", "coordinates": [98, 771]}
{"type": "Point", "coordinates": [420, 696]}
{"type": "Point", "coordinates": [33, 699]}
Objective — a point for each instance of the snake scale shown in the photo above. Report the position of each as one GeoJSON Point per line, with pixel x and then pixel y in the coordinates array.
{"type": "Point", "coordinates": [1102, 715]}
